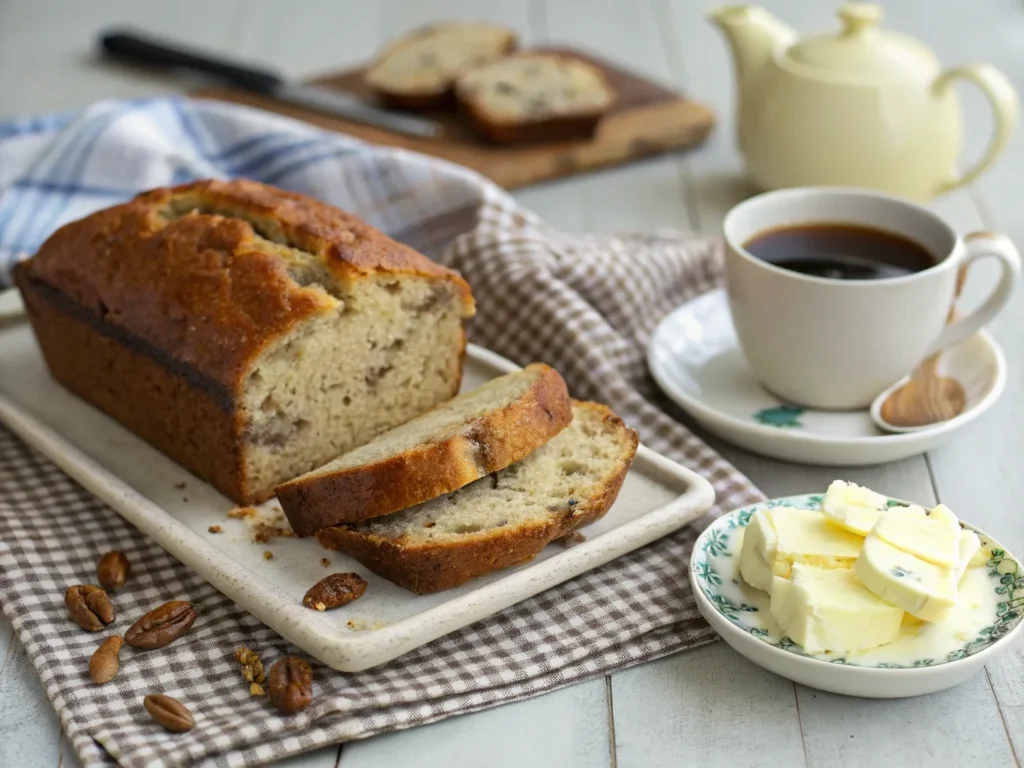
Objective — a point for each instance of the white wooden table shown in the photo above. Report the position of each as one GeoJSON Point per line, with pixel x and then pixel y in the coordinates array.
{"type": "Point", "coordinates": [706, 707]}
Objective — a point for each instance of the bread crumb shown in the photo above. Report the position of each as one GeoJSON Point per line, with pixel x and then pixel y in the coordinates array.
{"type": "Point", "coordinates": [256, 689]}
{"type": "Point", "coordinates": [180, 486]}
{"type": "Point", "coordinates": [268, 555]}
{"type": "Point", "coordinates": [320, 607]}
{"type": "Point", "coordinates": [185, 499]}
{"type": "Point", "coordinates": [240, 513]}
{"type": "Point", "coordinates": [325, 562]}
{"type": "Point", "coordinates": [572, 539]}
{"type": "Point", "coordinates": [360, 625]}
{"type": "Point", "coordinates": [214, 529]}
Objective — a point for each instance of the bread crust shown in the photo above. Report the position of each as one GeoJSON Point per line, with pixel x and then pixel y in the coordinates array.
{"type": "Point", "coordinates": [179, 294]}
{"type": "Point", "coordinates": [173, 409]}
{"type": "Point", "coordinates": [434, 566]}
{"type": "Point", "coordinates": [492, 442]}
{"type": "Point", "coordinates": [567, 128]}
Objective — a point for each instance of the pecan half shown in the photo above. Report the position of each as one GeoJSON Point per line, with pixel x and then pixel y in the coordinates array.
{"type": "Point", "coordinates": [291, 685]}
{"type": "Point", "coordinates": [161, 626]}
{"type": "Point", "coordinates": [335, 590]}
{"type": "Point", "coordinates": [105, 660]}
{"type": "Point", "coordinates": [89, 606]}
{"type": "Point", "coordinates": [169, 712]}
{"type": "Point", "coordinates": [112, 570]}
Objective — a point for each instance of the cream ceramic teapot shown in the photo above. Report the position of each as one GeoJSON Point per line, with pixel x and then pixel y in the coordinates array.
{"type": "Point", "coordinates": [864, 107]}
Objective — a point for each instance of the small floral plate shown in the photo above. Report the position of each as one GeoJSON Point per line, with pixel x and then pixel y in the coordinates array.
{"type": "Point", "coordinates": [924, 659]}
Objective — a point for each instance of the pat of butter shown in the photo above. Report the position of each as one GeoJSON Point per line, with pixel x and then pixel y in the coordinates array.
{"type": "Point", "coordinates": [921, 588]}
{"type": "Point", "coordinates": [934, 538]}
{"type": "Point", "coordinates": [828, 609]}
{"type": "Point", "coordinates": [783, 536]}
{"type": "Point", "coordinates": [852, 507]}
{"type": "Point", "coordinates": [753, 568]}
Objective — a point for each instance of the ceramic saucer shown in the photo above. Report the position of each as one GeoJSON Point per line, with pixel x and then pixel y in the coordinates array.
{"type": "Point", "coordinates": [695, 358]}
{"type": "Point", "coordinates": [929, 660]}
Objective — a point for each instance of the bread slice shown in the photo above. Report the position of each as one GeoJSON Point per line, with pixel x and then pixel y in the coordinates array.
{"type": "Point", "coordinates": [418, 70]}
{"type": "Point", "coordinates": [478, 432]}
{"type": "Point", "coordinates": [501, 520]}
{"type": "Point", "coordinates": [534, 97]}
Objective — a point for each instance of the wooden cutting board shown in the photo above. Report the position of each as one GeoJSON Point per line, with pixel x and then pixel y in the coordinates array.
{"type": "Point", "coordinates": [646, 119]}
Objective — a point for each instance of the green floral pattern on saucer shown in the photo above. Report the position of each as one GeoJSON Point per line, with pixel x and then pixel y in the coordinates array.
{"type": "Point", "coordinates": [782, 416]}
{"type": "Point", "coordinates": [715, 565]}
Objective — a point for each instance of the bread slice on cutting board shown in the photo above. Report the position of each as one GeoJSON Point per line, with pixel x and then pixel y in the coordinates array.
{"type": "Point", "coordinates": [500, 520]}
{"type": "Point", "coordinates": [418, 70]}
{"type": "Point", "coordinates": [479, 432]}
{"type": "Point", "coordinates": [534, 97]}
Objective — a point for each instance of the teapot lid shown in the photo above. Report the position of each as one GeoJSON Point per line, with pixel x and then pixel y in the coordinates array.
{"type": "Point", "coordinates": [862, 51]}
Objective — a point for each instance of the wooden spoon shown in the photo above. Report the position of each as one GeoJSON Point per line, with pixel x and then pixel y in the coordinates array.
{"type": "Point", "coordinates": [926, 397]}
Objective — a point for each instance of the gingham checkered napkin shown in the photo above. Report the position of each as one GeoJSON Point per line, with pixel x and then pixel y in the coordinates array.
{"type": "Point", "coordinates": [583, 305]}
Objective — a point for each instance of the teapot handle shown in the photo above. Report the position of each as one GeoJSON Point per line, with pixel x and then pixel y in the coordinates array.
{"type": "Point", "coordinates": [1003, 99]}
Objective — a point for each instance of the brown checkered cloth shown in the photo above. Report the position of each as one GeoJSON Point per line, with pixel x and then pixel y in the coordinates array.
{"type": "Point", "coordinates": [585, 305]}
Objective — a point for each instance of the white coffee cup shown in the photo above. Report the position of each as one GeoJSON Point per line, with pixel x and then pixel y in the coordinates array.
{"type": "Point", "coordinates": [836, 344]}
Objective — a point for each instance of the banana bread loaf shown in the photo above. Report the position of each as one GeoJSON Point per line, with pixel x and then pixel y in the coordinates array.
{"type": "Point", "coordinates": [249, 333]}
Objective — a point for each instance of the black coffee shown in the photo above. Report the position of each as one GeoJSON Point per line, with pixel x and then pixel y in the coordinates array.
{"type": "Point", "coordinates": [840, 251]}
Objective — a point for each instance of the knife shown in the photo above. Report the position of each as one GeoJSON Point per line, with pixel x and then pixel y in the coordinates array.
{"type": "Point", "coordinates": [132, 47]}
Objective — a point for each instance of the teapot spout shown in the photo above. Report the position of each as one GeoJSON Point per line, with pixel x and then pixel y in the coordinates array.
{"type": "Point", "coordinates": [753, 35]}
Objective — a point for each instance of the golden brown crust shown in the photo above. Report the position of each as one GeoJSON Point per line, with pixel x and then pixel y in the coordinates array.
{"type": "Point", "coordinates": [165, 407]}
{"type": "Point", "coordinates": [157, 264]}
{"type": "Point", "coordinates": [431, 567]}
{"type": "Point", "coordinates": [495, 440]}
{"type": "Point", "coordinates": [555, 129]}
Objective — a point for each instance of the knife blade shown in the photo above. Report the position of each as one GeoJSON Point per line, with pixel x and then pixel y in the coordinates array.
{"type": "Point", "coordinates": [130, 46]}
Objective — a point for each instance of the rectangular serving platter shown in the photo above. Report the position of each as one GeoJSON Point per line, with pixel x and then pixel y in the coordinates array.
{"type": "Point", "coordinates": [658, 497]}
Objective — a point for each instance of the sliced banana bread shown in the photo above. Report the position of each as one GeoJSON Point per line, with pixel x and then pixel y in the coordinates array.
{"type": "Point", "coordinates": [534, 97]}
{"type": "Point", "coordinates": [418, 70]}
{"type": "Point", "coordinates": [249, 333]}
{"type": "Point", "coordinates": [476, 433]}
{"type": "Point", "coordinates": [500, 520]}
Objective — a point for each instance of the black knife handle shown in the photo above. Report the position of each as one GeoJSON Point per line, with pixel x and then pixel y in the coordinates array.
{"type": "Point", "coordinates": [131, 46]}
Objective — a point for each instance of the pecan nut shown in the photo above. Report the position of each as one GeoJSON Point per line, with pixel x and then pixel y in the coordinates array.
{"type": "Point", "coordinates": [291, 685]}
{"type": "Point", "coordinates": [334, 591]}
{"type": "Point", "coordinates": [169, 712]}
{"type": "Point", "coordinates": [105, 660]}
{"type": "Point", "coordinates": [89, 606]}
{"type": "Point", "coordinates": [112, 570]}
{"type": "Point", "coordinates": [161, 626]}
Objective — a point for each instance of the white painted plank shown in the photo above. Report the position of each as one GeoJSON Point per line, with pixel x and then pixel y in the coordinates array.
{"type": "Point", "coordinates": [644, 195]}
{"type": "Point", "coordinates": [943, 729]}
{"type": "Point", "coordinates": [47, 49]}
{"type": "Point", "coordinates": [29, 728]}
{"type": "Point", "coordinates": [566, 728]}
{"type": "Point", "coordinates": [979, 475]}
{"type": "Point", "coordinates": [705, 707]}
{"type": "Point", "coordinates": [310, 38]}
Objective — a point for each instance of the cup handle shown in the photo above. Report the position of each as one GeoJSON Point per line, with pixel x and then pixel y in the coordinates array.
{"type": "Point", "coordinates": [1001, 97]}
{"type": "Point", "coordinates": [978, 245]}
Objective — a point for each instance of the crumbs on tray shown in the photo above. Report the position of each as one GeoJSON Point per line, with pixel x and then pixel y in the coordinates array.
{"type": "Point", "coordinates": [264, 525]}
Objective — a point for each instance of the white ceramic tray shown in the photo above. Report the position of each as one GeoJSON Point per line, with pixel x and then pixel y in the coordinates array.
{"type": "Point", "coordinates": [658, 497]}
